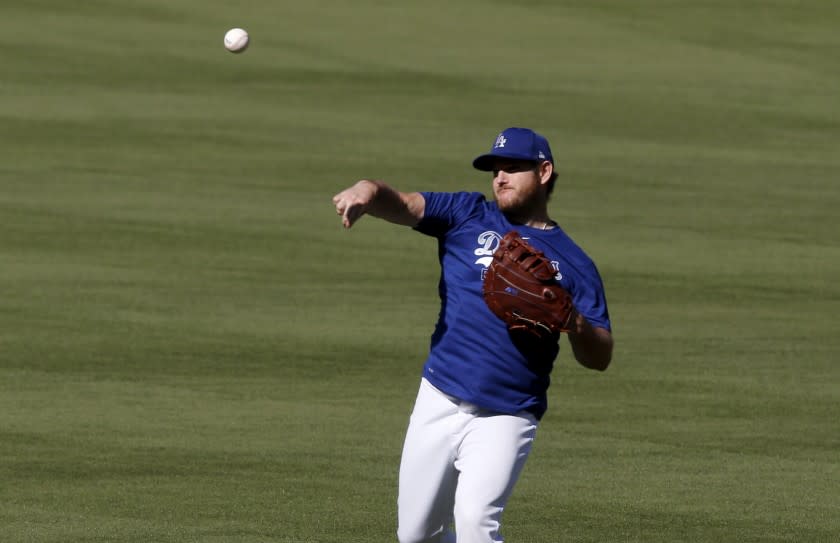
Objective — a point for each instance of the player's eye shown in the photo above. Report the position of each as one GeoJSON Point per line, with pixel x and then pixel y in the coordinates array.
{"type": "Point", "coordinates": [507, 168]}
{"type": "Point", "coordinates": [515, 167]}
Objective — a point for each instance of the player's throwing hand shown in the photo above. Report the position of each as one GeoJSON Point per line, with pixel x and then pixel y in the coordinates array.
{"type": "Point", "coordinates": [353, 202]}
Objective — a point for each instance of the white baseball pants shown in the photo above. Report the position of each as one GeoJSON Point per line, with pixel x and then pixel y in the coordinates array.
{"type": "Point", "coordinates": [459, 465]}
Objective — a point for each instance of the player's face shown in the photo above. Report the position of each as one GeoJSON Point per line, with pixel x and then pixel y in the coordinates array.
{"type": "Point", "coordinates": [516, 185]}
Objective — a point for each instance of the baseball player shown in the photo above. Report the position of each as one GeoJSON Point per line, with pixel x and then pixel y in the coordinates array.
{"type": "Point", "coordinates": [482, 391]}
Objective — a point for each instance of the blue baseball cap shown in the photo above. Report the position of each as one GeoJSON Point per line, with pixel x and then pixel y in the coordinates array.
{"type": "Point", "coordinates": [518, 144]}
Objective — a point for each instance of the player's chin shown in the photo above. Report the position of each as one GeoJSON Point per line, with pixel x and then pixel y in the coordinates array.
{"type": "Point", "coordinates": [507, 201]}
{"type": "Point", "coordinates": [505, 198]}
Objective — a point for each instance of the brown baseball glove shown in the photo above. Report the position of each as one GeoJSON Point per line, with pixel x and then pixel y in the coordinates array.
{"type": "Point", "coordinates": [520, 289]}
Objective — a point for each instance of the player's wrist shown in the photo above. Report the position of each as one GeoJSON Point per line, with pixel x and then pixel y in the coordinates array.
{"type": "Point", "coordinates": [368, 184]}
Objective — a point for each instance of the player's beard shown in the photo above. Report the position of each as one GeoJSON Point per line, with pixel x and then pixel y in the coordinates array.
{"type": "Point", "coordinates": [519, 202]}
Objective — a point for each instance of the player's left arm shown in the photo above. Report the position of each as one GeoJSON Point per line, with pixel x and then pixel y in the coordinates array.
{"type": "Point", "coordinates": [592, 346]}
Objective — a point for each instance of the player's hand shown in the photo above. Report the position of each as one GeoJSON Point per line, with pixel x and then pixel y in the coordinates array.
{"type": "Point", "coordinates": [353, 202]}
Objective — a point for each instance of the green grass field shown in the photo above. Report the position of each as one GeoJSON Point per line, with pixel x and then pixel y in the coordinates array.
{"type": "Point", "coordinates": [193, 350]}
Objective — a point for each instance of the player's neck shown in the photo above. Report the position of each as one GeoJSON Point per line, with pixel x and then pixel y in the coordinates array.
{"type": "Point", "coordinates": [539, 222]}
{"type": "Point", "coordinates": [534, 218]}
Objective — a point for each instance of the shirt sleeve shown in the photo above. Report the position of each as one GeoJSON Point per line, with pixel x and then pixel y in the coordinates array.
{"type": "Point", "coordinates": [446, 210]}
{"type": "Point", "coordinates": [589, 297]}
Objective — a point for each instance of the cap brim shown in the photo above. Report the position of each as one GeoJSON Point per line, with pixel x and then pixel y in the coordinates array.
{"type": "Point", "coordinates": [486, 162]}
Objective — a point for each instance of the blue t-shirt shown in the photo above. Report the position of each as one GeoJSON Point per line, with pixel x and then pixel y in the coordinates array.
{"type": "Point", "coordinates": [472, 356]}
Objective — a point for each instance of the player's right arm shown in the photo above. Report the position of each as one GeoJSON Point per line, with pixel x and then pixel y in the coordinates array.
{"type": "Point", "coordinates": [592, 346]}
{"type": "Point", "coordinates": [380, 200]}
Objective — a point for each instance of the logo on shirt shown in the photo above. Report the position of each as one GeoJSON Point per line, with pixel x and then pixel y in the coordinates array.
{"type": "Point", "coordinates": [488, 242]}
{"type": "Point", "coordinates": [556, 265]}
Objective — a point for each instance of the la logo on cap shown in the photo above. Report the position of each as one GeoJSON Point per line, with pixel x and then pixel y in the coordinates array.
{"type": "Point", "coordinates": [500, 141]}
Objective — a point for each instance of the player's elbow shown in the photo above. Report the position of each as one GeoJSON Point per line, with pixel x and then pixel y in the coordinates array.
{"type": "Point", "coordinates": [597, 354]}
{"type": "Point", "coordinates": [604, 357]}
{"type": "Point", "coordinates": [599, 363]}
{"type": "Point", "coordinates": [602, 363]}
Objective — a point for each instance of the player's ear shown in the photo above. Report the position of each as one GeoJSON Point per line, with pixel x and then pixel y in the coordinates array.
{"type": "Point", "coordinates": [544, 170]}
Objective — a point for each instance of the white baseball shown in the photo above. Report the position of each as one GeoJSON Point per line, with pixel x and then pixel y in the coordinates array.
{"type": "Point", "coordinates": [236, 40]}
